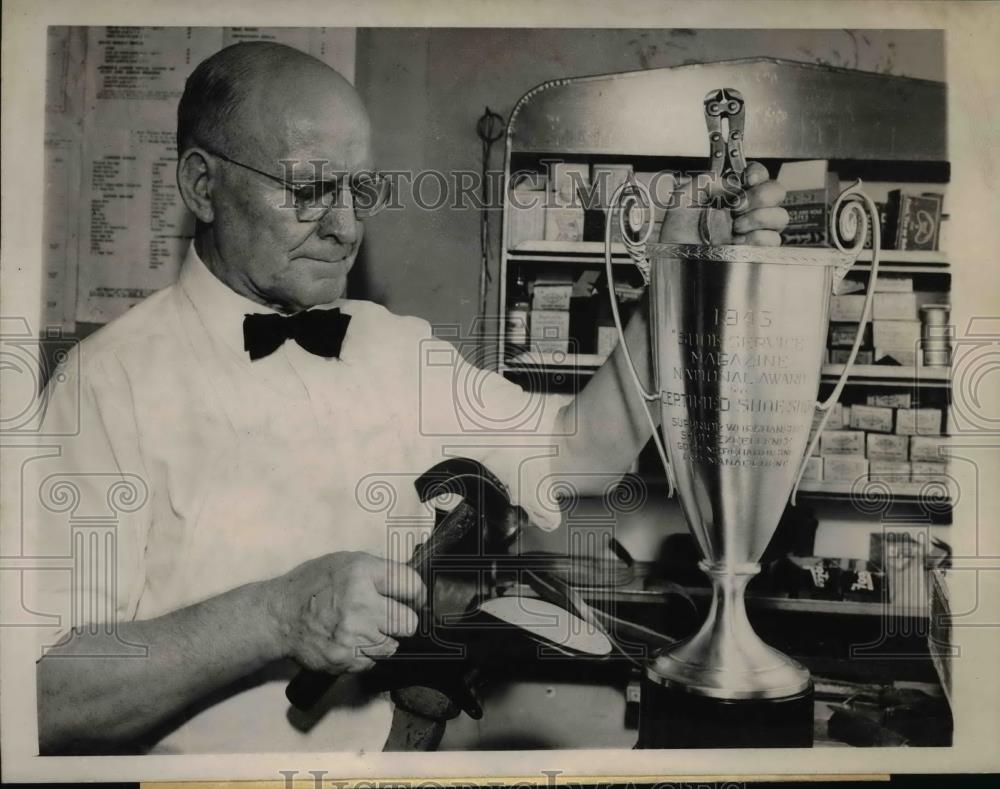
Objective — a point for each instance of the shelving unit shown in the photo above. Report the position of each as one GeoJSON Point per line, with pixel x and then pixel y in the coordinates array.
{"type": "Point", "coordinates": [652, 119]}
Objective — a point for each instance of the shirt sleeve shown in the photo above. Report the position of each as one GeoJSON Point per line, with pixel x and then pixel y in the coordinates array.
{"type": "Point", "coordinates": [87, 500]}
{"type": "Point", "coordinates": [476, 412]}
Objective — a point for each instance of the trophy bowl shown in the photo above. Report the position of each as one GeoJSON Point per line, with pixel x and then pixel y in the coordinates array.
{"type": "Point", "coordinates": [738, 342]}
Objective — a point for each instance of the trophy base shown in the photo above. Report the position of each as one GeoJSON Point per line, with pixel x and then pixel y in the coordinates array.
{"type": "Point", "coordinates": [726, 659]}
{"type": "Point", "coordinates": [672, 717]}
{"type": "Point", "coordinates": [743, 670]}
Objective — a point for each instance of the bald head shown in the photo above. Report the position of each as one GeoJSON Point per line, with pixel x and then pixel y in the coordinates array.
{"type": "Point", "coordinates": [266, 102]}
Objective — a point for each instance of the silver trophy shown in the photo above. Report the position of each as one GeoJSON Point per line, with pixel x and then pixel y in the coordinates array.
{"type": "Point", "coordinates": [738, 343]}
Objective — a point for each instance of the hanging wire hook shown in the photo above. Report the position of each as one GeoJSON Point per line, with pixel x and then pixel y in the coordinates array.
{"type": "Point", "coordinates": [489, 129]}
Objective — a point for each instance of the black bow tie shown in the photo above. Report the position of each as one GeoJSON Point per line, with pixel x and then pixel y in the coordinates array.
{"type": "Point", "coordinates": [318, 331]}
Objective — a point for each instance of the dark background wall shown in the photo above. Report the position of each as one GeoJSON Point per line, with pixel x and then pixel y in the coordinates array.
{"type": "Point", "coordinates": [426, 88]}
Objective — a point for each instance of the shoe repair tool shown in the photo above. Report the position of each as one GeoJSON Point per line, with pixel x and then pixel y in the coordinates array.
{"type": "Point", "coordinates": [485, 501]}
{"type": "Point", "coordinates": [725, 119]}
{"type": "Point", "coordinates": [489, 129]}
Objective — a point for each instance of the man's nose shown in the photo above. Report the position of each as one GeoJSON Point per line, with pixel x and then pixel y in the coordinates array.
{"type": "Point", "coordinates": [340, 224]}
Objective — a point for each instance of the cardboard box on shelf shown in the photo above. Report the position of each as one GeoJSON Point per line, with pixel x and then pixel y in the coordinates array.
{"type": "Point", "coordinates": [861, 580]}
{"type": "Point", "coordinates": [549, 331]}
{"type": "Point", "coordinates": [895, 307]}
{"type": "Point", "coordinates": [927, 449]}
{"type": "Point", "coordinates": [847, 308]}
{"type": "Point", "coordinates": [872, 418]}
{"type": "Point", "coordinates": [815, 577]}
{"type": "Point", "coordinates": [844, 468]}
{"type": "Point", "coordinates": [918, 421]}
{"type": "Point", "coordinates": [564, 223]}
{"type": "Point", "coordinates": [552, 290]}
{"type": "Point", "coordinates": [903, 559]}
{"type": "Point", "coordinates": [882, 446]}
{"type": "Point", "coordinates": [922, 471]}
{"type": "Point", "coordinates": [893, 283]}
{"type": "Point", "coordinates": [889, 470]}
{"type": "Point", "coordinates": [525, 217]}
{"type": "Point", "coordinates": [841, 355]}
{"type": "Point", "coordinates": [890, 399]}
{"type": "Point", "coordinates": [914, 220]}
{"type": "Point", "coordinates": [842, 442]}
{"type": "Point", "coordinates": [810, 190]}
{"type": "Point", "coordinates": [842, 335]}
{"type": "Point", "coordinates": [549, 296]}
{"type": "Point", "coordinates": [836, 420]}
{"type": "Point", "coordinates": [566, 178]}
{"type": "Point", "coordinates": [895, 333]}
{"type": "Point", "coordinates": [813, 472]}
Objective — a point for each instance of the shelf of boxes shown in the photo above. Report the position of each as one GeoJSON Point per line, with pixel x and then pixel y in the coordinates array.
{"type": "Point", "coordinates": [591, 253]}
{"type": "Point", "coordinates": [879, 374]}
{"type": "Point", "coordinates": [899, 491]}
{"type": "Point", "coordinates": [920, 260]}
{"type": "Point", "coordinates": [871, 451]}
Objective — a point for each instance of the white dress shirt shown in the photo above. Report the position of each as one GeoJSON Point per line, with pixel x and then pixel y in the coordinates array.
{"type": "Point", "coordinates": [194, 470]}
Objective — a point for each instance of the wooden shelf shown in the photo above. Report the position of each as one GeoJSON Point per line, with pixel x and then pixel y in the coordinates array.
{"type": "Point", "coordinates": [890, 260]}
{"type": "Point", "coordinates": [755, 601]}
{"type": "Point", "coordinates": [580, 363]}
{"type": "Point", "coordinates": [899, 491]}
{"type": "Point", "coordinates": [917, 258]}
{"type": "Point", "coordinates": [886, 373]}
{"type": "Point", "coordinates": [812, 606]}
{"type": "Point", "coordinates": [588, 249]}
{"type": "Point", "coordinates": [588, 253]}
{"type": "Point", "coordinates": [774, 602]}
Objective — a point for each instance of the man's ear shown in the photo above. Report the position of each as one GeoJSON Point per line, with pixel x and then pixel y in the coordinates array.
{"type": "Point", "coordinates": [195, 179]}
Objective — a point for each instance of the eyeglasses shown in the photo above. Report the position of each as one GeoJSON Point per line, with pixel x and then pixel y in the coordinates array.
{"type": "Point", "coordinates": [369, 191]}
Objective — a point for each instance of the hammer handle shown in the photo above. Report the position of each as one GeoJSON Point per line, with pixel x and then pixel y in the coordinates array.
{"type": "Point", "coordinates": [308, 686]}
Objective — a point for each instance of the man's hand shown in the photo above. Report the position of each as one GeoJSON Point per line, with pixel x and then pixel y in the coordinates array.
{"type": "Point", "coordinates": [339, 612]}
{"type": "Point", "coordinates": [754, 214]}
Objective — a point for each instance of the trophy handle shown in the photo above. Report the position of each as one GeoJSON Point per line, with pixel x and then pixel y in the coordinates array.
{"type": "Point", "coordinates": [859, 212]}
{"type": "Point", "coordinates": [630, 203]}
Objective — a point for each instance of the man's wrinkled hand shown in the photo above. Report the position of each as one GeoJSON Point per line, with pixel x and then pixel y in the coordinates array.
{"type": "Point", "coordinates": [341, 612]}
{"type": "Point", "coordinates": [752, 213]}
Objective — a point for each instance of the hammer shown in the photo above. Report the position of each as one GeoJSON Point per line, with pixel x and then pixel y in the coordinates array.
{"type": "Point", "coordinates": [484, 498]}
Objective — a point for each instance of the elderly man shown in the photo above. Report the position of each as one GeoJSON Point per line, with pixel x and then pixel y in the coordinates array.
{"type": "Point", "coordinates": [250, 550]}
